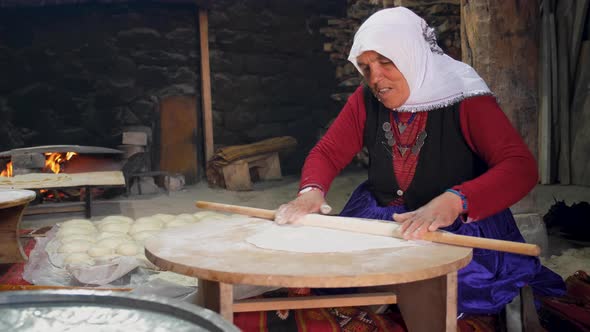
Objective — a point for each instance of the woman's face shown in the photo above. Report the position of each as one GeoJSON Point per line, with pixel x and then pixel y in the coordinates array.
{"type": "Point", "coordinates": [385, 80]}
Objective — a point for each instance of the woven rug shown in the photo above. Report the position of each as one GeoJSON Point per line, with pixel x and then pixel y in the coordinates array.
{"type": "Point", "coordinates": [345, 319]}
{"type": "Point", "coordinates": [12, 274]}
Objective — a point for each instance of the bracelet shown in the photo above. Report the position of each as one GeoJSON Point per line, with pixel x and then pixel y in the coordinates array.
{"type": "Point", "coordinates": [463, 198]}
{"type": "Point", "coordinates": [308, 189]}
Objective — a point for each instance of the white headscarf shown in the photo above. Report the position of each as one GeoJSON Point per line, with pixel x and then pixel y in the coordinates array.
{"type": "Point", "coordinates": [435, 79]}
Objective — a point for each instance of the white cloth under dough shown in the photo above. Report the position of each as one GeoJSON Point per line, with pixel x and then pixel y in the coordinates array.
{"type": "Point", "coordinates": [306, 239]}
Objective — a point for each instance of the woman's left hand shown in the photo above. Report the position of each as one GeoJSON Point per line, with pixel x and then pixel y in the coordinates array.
{"type": "Point", "coordinates": [441, 211]}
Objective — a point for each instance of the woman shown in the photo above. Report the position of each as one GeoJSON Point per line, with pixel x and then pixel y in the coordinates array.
{"type": "Point", "coordinates": [442, 156]}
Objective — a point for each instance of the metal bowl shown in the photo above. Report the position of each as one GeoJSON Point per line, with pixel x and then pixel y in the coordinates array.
{"type": "Point", "coordinates": [83, 310]}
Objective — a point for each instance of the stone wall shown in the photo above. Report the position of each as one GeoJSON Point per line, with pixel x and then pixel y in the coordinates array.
{"type": "Point", "coordinates": [79, 74]}
{"type": "Point", "coordinates": [270, 75]}
{"type": "Point", "coordinates": [443, 15]}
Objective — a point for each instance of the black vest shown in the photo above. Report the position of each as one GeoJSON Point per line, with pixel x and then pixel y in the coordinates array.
{"type": "Point", "coordinates": [444, 161]}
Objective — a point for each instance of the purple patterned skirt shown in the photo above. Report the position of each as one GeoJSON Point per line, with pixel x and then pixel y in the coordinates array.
{"type": "Point", "coordinates": [492, 279]}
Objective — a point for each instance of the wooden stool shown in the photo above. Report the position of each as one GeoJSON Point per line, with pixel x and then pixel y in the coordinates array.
{"type": "Point", "coordinates": [237, 174]}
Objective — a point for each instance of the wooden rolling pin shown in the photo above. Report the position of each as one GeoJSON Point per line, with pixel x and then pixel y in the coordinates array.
{"type": "Point", "coordinates": [382, 228]}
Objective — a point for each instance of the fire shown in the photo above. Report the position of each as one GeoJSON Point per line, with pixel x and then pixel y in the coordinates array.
{"type": "Point", "coordinates": [8, 170]}
{"type": "Point", "coordinates": [53, 161]}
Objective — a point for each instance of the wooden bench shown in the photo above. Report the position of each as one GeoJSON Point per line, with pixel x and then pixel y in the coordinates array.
{"type": "Point", "coordinates": [239, 174]}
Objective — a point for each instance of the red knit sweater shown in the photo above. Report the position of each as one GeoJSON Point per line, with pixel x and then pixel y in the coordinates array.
{"type": "Point", "coordinates": [512, 169]}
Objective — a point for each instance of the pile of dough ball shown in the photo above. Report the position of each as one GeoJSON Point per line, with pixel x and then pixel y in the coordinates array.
{"type": "Point", "coordinates": [83, 242]}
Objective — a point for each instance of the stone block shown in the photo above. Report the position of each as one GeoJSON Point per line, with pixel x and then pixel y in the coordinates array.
{"type": "Point", "coordinates": [174, 182]}
{"type": "Point", "coordinates": [533, 229]}
{"type": "Point", "coordinates": [28, 160]}
{"type": "Point", "coordinates": [145, 185]}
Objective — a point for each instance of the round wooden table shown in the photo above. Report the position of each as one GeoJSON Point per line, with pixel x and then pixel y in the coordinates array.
{"type": "Point", "coordinates": [216, 252]}
{"type": "Point", "coordinates": [12, 204]}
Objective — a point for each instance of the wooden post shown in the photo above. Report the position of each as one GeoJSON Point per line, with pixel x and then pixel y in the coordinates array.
{"type": "Point", "coordinates": [545, 99]}
{"type": "Point", "coordinates": [499, 40]}
{"type": "Point", "coordinates": [206, 84]}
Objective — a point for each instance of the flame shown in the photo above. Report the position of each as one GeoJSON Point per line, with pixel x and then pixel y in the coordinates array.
{"type": "Point", "coordinates": [8, 170]}
{"type": "Point", "coordinates": [54, 160]}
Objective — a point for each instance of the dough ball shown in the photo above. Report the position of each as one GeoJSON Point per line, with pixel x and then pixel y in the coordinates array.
{"type": "Point", "coordinates": [163, 217]}
{"type": "Point", "coordinates": [178, 223]}
{"type": "Point", "coordinates": [148, 220]}
{"type": "Point", "coordinates": [77, 222]}
{"type": "Point", "coordinates": [89, 228]}
{"type": "Point", "coordinates": [136, 228]}
{"type": "Point", "coordinates": [78, 258]}
{"type": "Point", "coordinates": [98, 252]}
{"type": "Point", "coordinates": [124, 219]}
{"type": "Point", "coordinates": [62, 233]}
{"type": "Point", "coordinates": [114, 228]}
{"type": "Point", "coordinates": [186, 216]}
{"type": "Point", "coordinates": [82, 237]}
{"type": "Point", "coordinates": [106, 235]}
{"type": "Point", "coordinates": [111, 242]}
{"type": "Point", "coordinates": [144, 235]}
{"type": "Point", "coordinates": [103, 223]}
{"type": "Point", "coordinates": [74, 246]}
{"type": "Point", "coordinates": [129, 249]}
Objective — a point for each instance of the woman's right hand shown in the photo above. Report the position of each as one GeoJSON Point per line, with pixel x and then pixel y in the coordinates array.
{"type": "Point", "coordinates": [309, 202]}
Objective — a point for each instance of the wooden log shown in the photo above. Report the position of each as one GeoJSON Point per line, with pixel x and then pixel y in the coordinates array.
{"type": "Point", "coordinates": [381, 228]}
{"type": "Point", "coordinates": [492, 33]}
{"type": "Point", "coordinates": [235, 152]}
{"type": "Point", "coordinates": [254, 151]}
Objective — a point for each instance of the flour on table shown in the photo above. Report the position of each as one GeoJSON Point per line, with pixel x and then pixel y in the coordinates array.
{"type": "Point", "coordinates": [306, 239]}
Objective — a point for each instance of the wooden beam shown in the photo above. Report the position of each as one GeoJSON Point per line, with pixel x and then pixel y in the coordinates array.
{"type": "Point", "coordinates": [307, 302]}
{"type": "Point", "coordinates": [63, 180]}
{"type": "Point", "coordinates": [545, 101]}
{"type": "Point", "coordinates": [68, 207]}
{"type": "Point", "coordinates": [554, 100]}
{"type": "Point", "coordinates": [206, 84]}
{"type": "Point", "coordinates": [564, 92]}
{"type": "Point", "coordinates": [580, 12]}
